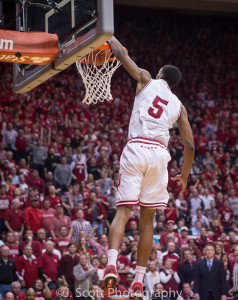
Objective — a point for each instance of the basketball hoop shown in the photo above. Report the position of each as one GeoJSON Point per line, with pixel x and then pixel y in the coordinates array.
{"type": "Point", "coordinates": [96, 70]}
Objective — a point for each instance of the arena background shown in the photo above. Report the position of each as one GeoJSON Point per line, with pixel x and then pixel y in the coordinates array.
{"type": "Point", "coordinates": [201, 38]}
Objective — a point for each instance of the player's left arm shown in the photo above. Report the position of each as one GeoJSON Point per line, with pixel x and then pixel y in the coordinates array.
{"type": "Point", "coordinates": [189, 148]}
{"type": "Point", "coordinates": [140, 75]}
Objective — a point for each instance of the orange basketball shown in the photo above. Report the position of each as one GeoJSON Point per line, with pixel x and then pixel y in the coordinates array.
{"type": "Point", "coordinates": [99, 57]}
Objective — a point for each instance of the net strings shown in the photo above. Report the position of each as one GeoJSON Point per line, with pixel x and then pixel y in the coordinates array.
{"type": "Point", "coordinates": [97, 79]}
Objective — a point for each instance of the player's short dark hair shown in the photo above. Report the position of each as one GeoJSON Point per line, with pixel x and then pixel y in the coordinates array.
{"type": "Point", "coordinates": [171, 74]}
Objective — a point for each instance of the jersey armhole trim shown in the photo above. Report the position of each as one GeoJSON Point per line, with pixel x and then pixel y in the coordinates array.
{"type": "Point", "coordinates": [144, 87]}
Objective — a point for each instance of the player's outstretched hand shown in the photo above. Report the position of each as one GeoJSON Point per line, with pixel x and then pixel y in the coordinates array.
{"type": "Point", "coordinates": [182, 181]}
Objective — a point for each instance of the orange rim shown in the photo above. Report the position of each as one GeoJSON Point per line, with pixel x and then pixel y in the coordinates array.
{"type": "Point", "coordinates": [105, 46]}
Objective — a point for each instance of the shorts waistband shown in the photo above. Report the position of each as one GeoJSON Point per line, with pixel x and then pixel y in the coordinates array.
{"type": "Point", "coordinates": [147, 141]}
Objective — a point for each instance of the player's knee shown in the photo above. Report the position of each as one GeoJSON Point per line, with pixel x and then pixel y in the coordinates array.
{"type": "Point", "coordinates": [124, 211]}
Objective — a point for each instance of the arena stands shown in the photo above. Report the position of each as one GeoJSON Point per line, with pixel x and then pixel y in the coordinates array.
{"type": "Point", "coordinates": [60, 160]}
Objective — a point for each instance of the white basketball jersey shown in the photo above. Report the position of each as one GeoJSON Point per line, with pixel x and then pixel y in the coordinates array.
{"type": "Point", "coordinates": [155, 111]}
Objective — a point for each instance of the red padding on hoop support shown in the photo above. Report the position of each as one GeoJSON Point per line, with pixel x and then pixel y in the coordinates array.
{"type": "Point", "coordinates": [36, 48]}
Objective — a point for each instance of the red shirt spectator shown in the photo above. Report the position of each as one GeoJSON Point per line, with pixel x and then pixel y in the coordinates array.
{"type": "Point", "coordinates": [23, 169]}
{"type": "Point", "coordinates": [33, 217]}
{"type": "Point", "coordinates": [48, 262]}
{"type": "Point", "coordinates": [36, 246]}
{"type": "Point", "coordinates": [5, 202]}
{"type": "Point", "coordinates": [54, 200]}
{"type": "Point", "coordinates": [226, 215]}
{"type": "Point", "coordinates": [20, 141]}
{"type": "Point", "coordinates": [183, 239]}
{"type": "Point", "coordinates": [27, 267]}
{"type": "Point", "coordinates": [61, 242]}
{"type": "Point", "coordinates": [48, 214]}
{"type": "Point", "coordinates": [170, 230]}
{"type": "Point", "coordinates": [60, 220]}
{"type": "Point", "coordinates": [14, 217]}
{"type": "Point", "coordinates": [36, 182]}
{"type": "Point", "coordinates": [170, 255]}
{"type": "Point", "coordinates": [123, 265]}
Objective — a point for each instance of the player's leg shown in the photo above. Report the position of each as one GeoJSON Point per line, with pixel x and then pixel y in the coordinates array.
{"type": "Point", "coordinates": [146, 238]}
{"type": "Point", "coordinates": [117, 228]}
{"type": "Point", "coordinates": [116, 233]}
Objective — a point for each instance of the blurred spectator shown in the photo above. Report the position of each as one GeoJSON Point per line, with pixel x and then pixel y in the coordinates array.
{"type": "Point", "coordinates": [7, 271]}
{"type": "Point", "coordinates": [41, 237]}
{"type": "Point", "coordinates": [28, 240]}
{"type": "Point", "coordinates": [196, 228]}
{"type": "Point", "coordinates": [207, 198]}
{"type": "Point", "coordinates": [102, 246]}
{"type": "Point", "coordinates": [212, 212]}
{"type": "Point", "coordinates": [60, 220]}
{"type": "Point", "coordinates": [26, 268]}
{"type": "Point", "coordinates": [48, 264]}
{"type": "Point", "coordinates": [122, 267]}
{"type": "Point", "coordinates": [171, 256]}
{"type": "Point", "coordinates": [9, 136]}
{"type": "Point", "coordinates": [67, 263]}
{"type": "Point", "coordinates": [233, 199]}
{"type": "Point", "coordinates": [159, 292]}
{"type": "Point", "coordinates": [226, 215]}
{"type": "Point", "coordinates": [195, 202]}
{"type": "Point", "coordinates": [64, 293]}
{"type": "Point", "coordinates": [48, 214]}
{"type": "Point", "coordinates": [63, 174]}
{"type": "Point", "coordinates": [84, 278]}
{"type": "Point", "coordinates": [199, 217]}
{"type": "Point", "coordinates": [186, 270]}
{"type": "Point", "coordinates": [9, 296]}
{"type": "Point", "coordinates": [36, 182]}
{"type": "Point", "coordinates": [170, 230]}
{"type": "Point", "coordinates": [16, 290]}
{"type": "Point", "coordinates": [187, 292]}
{"type": "Point", "coordinates": [170, 279]}
{"type": "Point", "coordinates": [183, 239]}
{"type": "Point", "coordinates": [210, 279]}
{"type": "Point", "coordinates": [62, 241]}
{"type": "Point", "coordinates": [96, 211]}
{"type": "Point", "coordinates": [5, 203]}
{"type": "Point", "coordinates": [80, 224]}
{"type": "Point", "coordinates": [54, 200]}
{"type": "Point", "coordinates": [39, 155]}
{"type": "Point", "coordinates": [171, 212]}
{"type": "Point", "coordinates": [14, 217]}
{"type": "Point", "coordinates": [152, 277]}
{"type": "Point", "coordinates": [33, 216]}
{"type": "Point", "coordinates": [112, 206]}
{"type": "Point", "coordinates": [40, 289]}
{"type": "Point", "coordinates": [13, 247]}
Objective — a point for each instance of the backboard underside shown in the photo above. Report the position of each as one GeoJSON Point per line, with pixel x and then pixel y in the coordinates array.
{"type": "Point", "coordinates": [81, 25]}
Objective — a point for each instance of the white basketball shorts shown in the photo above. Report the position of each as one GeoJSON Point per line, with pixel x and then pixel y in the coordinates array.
{"type": "Point", "coordinates": [143, 175]}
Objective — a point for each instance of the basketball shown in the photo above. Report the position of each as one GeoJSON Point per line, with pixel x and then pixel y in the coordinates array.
{"type": "Point", "coordinates": [98, 57]}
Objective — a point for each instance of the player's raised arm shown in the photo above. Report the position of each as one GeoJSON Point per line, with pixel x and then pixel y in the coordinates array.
{"type": "Point", "coordinates": [140, 75]}
{"type": "Point", "coordinates": [189, 149]}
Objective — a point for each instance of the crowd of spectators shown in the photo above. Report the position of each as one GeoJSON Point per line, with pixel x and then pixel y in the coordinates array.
{"type": "Point", "coordinates": [59, 163]}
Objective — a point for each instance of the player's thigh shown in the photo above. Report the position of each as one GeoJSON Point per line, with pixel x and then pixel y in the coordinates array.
{"type": "Point", "coordinates": [154, 185]}
{"type": "Point", "coordinates": [130, 176]}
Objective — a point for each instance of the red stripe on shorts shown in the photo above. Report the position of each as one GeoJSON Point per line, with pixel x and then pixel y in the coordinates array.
{"type": "Point", "coordinates": [155, 142]}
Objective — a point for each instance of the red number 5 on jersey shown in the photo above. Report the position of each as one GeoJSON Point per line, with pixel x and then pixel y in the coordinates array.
{"type": "Point", "coordinates": [157, 110]}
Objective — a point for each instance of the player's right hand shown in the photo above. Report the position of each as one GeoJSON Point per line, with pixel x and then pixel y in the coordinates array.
{"type": "Point", "coordinates": [182, 181]}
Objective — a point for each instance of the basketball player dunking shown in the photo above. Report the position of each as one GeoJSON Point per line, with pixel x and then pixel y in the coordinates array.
{"type": "Point", "coordinates": [143, 175]}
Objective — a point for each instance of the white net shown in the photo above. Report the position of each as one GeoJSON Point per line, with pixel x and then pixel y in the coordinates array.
{"type": "Point", "coordinates": [97, 79]}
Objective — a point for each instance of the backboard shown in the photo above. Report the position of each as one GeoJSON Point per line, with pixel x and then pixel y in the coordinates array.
{"type": "Point", "coordinates": [81, 25]}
